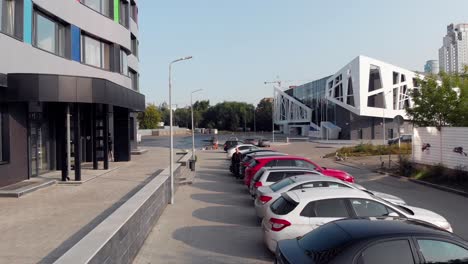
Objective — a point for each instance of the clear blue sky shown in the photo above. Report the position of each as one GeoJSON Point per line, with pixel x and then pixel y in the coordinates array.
{"type": "Point", "coordinates": [237, 45]}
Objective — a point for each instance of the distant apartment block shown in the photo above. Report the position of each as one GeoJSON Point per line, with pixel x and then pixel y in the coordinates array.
{"type": "Point", "coordinates": [431, 67]}
{"type": "Point", "coordinates": [453, 55]}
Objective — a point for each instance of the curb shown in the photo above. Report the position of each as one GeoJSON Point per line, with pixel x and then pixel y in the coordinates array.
{"type": "Point", "coordinates": [435, 186]}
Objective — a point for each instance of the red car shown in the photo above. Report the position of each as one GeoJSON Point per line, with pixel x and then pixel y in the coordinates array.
{"type": "Point", "coordinates": [291, 161]}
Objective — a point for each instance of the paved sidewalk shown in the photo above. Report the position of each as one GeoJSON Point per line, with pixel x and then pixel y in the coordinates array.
{"type": "Point", "coordinates": [212, 221]}
{"type": "Point", "coordinates": [41, 226]}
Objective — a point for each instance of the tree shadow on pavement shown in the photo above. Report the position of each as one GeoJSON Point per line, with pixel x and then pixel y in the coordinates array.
{"type": "Point", "coordinates": [228, 215]}
{"type": "Point", "coordinates": [224, 199]}
{"type": "Point", "coordinates": [237, 241]}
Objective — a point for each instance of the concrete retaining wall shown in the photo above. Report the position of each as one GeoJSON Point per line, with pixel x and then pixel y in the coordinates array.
{"type": "Point", "coordinates": [120, 236]}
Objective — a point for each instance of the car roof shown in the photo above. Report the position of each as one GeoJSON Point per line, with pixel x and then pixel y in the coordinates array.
{"type": "Point", "coordinates": [267, 154]}
{"type": "Point", "coordinates": [313, 194]}
{"type": "Point", "coordinates": [373, 227]}
{"type": "Point", "coordinates": [314, 177]}
{"type": "Point", "coordinates": [288, 168]}
{"type": "Point", "coordinates": [285, 157]}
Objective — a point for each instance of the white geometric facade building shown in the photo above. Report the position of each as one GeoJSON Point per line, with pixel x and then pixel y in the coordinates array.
{"type": "Point", "coordinates": [369, 87]}
{"type": "Point", "coordinates": [358, 102]}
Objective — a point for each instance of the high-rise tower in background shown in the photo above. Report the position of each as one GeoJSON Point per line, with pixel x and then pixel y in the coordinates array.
{"type": "Point", "coordinates": [453, 55]}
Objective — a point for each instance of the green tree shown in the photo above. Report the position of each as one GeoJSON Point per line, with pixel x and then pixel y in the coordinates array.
{"type": "Point", "coordinates": [437, 103]}
{"type": "Point", "coordinates": [150, 118]}
{"type": "Point", "coordinates": [263, 115]}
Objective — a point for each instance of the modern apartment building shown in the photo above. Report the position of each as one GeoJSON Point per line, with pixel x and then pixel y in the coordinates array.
{"type": "Point", "coordinates": [453, 55]}
{"type": "Point", "coordinates": [68, 85]}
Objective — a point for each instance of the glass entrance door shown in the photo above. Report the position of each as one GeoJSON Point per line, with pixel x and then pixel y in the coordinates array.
{"type": "Point", "coordinates": [38, 146]}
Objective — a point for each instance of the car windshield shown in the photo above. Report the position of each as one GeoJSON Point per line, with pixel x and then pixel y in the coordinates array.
{"type": "Point", "coordinates": [281, 184]}
{"type": "Point", "coordinates": [315, 243]}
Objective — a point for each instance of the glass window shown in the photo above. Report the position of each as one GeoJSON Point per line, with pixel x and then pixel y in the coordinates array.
{"type": "Point", "coordinates": [368, 208]}
{"type": "Point", "coordinates": [281, 184]}
{"type": "Point", "coordinates": [275, 176]}
{"type": "Point", "coordinates": [435, 251]}
{"type": "Point", "coordinates": [123, 62]}
{"type": "Point", "coordinates": [7, 16]}
{"type": "Point", "coordinates": [285, 163]}
{"type": "Point", "coordinates": [331, 208]}
{"type": "Point", "coordinates": [101, 6]}
{"type": "Point", "coordinates": [282, 206]}
{"type": "Point", "coordinates": [95, 52]}
{"type": "Point", "coordinates": [134, 11]}
{"type": "Point", "coordinates": [271, 163]}
{"type": "Point", "coordinates": [134, 78]}
{"type": "Point", "coordinates": [397, 251]}
{"type": "Point", "coordinates": [304, 164]}
{"type": "Point", "coordinates": [49, 35]}
{"type": "Point", "coordinates": [134, 46]}
{"type": "Point", "coordinates": [124, 14]}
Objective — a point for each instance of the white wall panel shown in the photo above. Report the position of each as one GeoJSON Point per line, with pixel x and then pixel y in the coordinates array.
{"type": "Point", "coordinates": [442, 143]}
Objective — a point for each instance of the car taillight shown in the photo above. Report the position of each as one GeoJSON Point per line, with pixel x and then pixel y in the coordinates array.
{"type": "Point", "coordinates": [258, 184]}
{"type": "Point", "coordinates": [278, 224]}
{"type": "Point", "coordinates": [265, 199]}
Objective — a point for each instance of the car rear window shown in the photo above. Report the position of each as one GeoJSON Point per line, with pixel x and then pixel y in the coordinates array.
{"type": "Point", "coordinates": [283, 206]}
{"type": "Point", "coordinates": [253, 163]}
{"type": "Point", "coordinates": [281, 184]}
{"type": "Point", "coordinates": [315, 243]}
{"type": "Point", "coordinates": [275, 176]}
{"type": "Point", "coordinates": [257, 175]}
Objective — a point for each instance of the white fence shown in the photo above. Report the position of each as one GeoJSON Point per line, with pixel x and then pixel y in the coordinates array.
{"type": "Point", "coordinates": [449, 146]}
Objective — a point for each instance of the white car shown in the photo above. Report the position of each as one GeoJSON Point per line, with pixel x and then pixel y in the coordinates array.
{"type": "Point", "coordinates": [266, 195]}
{"type": "Point", "coordinates": [267, 176]}
{"type": "Point", "coordinates": [241, 147]}
{"type": "Point", "coordinates": [298, 212]}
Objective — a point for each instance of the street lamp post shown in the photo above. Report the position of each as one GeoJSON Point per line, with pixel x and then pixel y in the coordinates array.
{"type": "Point", "coordinates": [171, 155]}
{"type": "Point", "coordinates": [193, 129]}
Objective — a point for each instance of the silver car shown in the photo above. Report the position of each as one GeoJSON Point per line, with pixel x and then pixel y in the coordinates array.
{"type": "Point", "coordinates": [268, 194]}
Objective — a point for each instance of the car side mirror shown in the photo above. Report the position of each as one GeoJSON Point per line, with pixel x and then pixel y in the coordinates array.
{"type": "Point", "coordinates": [324, 168]}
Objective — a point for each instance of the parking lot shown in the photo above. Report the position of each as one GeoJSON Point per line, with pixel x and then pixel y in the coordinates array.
{"type": "Point", "coordinates": [213, 220]}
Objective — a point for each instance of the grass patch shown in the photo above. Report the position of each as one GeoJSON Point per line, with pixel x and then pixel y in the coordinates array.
{"type": "Point", "coordinates": [372, 150]}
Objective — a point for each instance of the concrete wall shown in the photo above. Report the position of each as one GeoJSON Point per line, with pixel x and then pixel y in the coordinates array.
{"type": "Point", "coordinates": [120, 236]}
{"type": "Point", "coordinates": [442, 148]}
{"type": "Point", "coordinates": [17, 168]}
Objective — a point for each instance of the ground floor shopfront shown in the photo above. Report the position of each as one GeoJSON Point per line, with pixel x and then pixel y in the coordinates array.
{"type": "Point", "coordinates": [51, 122]}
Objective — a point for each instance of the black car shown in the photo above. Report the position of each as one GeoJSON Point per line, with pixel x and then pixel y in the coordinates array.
{"type": "Point", "coordinates": [374, 241]}
{"type": "Point", "coordinates": [231, 143]}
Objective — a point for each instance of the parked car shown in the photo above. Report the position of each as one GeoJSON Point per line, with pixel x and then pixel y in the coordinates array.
{"type": "Point", "coordinates": [241, 147]}
{"type": "Point", "coordinates": [266, 176]}
{"type": "Point", "coordinates": [264, 143]}
{"type": "Point", "coordinates": [372, 241]}
{"type": "Point", "coordinates": [266, 195]}
{"type": "Point", "coordinates": [249, 158]}
{"type": "Point", "coordinates": [252, 141]}
{"type": "Point", "coordinates": [231, 143]}
{"type": "Point", "coordinates": [403, 139]}
{"type": "Point", "coordinates": [298, 212]}
{"type": "Point", "coordinates": [291, 161]}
